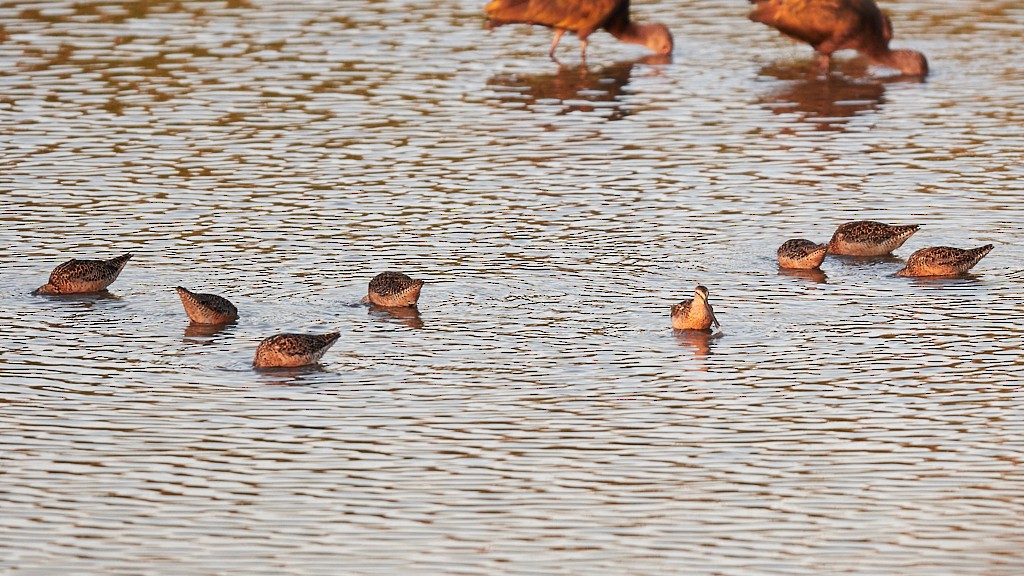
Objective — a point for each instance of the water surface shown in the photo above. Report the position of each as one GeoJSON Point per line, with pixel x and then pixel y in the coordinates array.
{"type": "Point", "coordinates": [537, 415]}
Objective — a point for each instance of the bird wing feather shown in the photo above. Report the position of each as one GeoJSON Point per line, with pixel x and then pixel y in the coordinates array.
{"type": "Point", "coordinates": [574, 15]}
{"type": "Point", "coordinates": [817, 21]}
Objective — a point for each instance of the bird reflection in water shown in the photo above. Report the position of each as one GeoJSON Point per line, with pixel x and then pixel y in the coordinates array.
{"type": "Point", "coordinates": [202, 333]}
{"type": "Point", "coordinates": [812, 275]}
{"type": "Point", "coordinates": [575, 88]}
{"type": "Point", "coordinates": [405, 315]}
{"type": "Point", "coordinates": [698, 341]}
{"type": "Point", "coordinates": [827, 102]}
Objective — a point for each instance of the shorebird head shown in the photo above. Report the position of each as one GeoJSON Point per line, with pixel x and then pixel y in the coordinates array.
{"type": "Point", "coordinates": [701, 293]}
{"type": "Point", "coordinates": [657, 38]}
{"type": "Point", "coordinates": [909, 62]}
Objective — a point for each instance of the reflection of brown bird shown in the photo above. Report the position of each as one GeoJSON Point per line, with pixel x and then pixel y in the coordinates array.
{"type": "Point", "coordinates": [869, 238]}
{"type": "Point", "coordinates": [943, 261]}
{"type": "Point", "coordinates": [207, 308]}
{"type": "Point", "coordinates": [83, 276]}
{"type": "Point", "coordinates": [291, 350]}
{"type": "Point", "coordinates": [802, 254]}
{"type": "Point", "coordinates": [830, 25]}
{"type": "Point", "coordinates": [582, 17]}
{"type": "Point", "coordinates": [827, 102]}
{"type": "Point", "coordinates": [576, 88]}
{"type": "Point", "coordinates": [406, 315]}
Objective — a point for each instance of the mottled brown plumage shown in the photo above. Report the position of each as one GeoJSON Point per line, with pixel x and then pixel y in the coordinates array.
{"type": "Point", "coordinates": [694, 314]}
{"type": "Point", "coordinates": [869, 238]}
{"type": "Point", "coordinates": [207, 308]}
{"type": "Point", "coordinates": [83, 276]}
{"type": "Point", "coordinates": [393, 289]}
{"type": "Point", "coordinates": [943, 261]}
{"type": "Point", "coordinates": [801, 254]}
{"type": "Point", "coordinates": [292, 350]}
{"type": "Point", "coordinates": [582, 17]}
{"type": "Point", "coordinates": [830, 25]}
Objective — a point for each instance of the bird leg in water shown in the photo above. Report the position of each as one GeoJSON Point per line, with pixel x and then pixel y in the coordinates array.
{"type": "Point", "coordinates": [583, 50]}
{"type": "Point", "coordinates": [554, 43]}
{"type": "Point", "coordinates": [824, 61]}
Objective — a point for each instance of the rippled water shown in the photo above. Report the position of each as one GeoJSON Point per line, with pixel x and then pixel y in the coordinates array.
{"type": "Point", "coordinates": [538, 415]}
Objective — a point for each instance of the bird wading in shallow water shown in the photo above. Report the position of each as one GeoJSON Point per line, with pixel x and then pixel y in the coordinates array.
{"type": "Point", "coordinates": [695, 314]}
{"type": "Point", "coordinates": [393, 290]}
{"type": "Point", "coordinates": [943, 261]}
{"type": "Point", "coordinates": [830, 25]}
{"type": "Point", "coordinates": [207, 308]}
{"type": "Point", "coordinates": [801, 254]}
{"type": "Point", "coordinates": [83, 276]}
{"type": "Point", "coordinates": [582, 17]}
{"type": "Point", "coordinates": [293, 350]}
{"type": "Point", "coordinates": [868, 238]}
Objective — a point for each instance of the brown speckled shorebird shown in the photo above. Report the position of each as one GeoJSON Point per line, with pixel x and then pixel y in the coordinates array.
{"type": "Point", "coordinates": [830, 25]}
{"type": "Point", "coordinates": [801, 254]}
{"type": "Point", "coordinates": [292, 350]}
{"type": "Point", "coordinates": [582, 17]}
{"type": "Point", "coordinates": [83, 276]}
{"type": "Point", "coordinates": [867, 238]}
{"type": "Point", "coordinates": [207, 308]}
{"type": "Point", "coordinates": [943, 261]}
{"type": "Point", "coordinates": [393, 289]}
{"type": "Point", "coordinates": [695, 314]}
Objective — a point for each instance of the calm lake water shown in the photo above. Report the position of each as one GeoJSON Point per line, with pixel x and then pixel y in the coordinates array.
{"type": "Point", "coordinates": [538, 415]}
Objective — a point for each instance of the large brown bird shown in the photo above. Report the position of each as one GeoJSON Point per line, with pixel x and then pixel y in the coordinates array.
{"type": "Point", "coordinates": [830, 25]}
{"type": "Point", "coordinates": [582, 17]}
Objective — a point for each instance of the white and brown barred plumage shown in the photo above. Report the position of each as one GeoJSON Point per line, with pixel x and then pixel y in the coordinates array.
{"type": "Point", "coordinates": [292, 350]}
{"type": "Point", "coordinates": [83, 276]}
{"type": "Point", "coordinates": [943, 261]}
{"type": "Point", "coordinates": [207, 308]}
{"type": "Point", "coordinates": [694, 314]}
{"type": "Point", "coordinates": [393, 289]}
{"type": "Point", "coordinates": [869, 238]}
{"type": "Point", "coordinates": [801, 254]}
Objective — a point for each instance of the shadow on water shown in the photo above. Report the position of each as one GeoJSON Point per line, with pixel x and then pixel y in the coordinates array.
{"type": "Point", "coordinates": [288, 376]}
{"type": "Point", "coordinates": [575, 88]}
{"type": "Point", "coordinates": [939, 282]}
{"type": "Point", "coordinates": [815, 275]}
{"type": "Point", "coordinates": [408, 316]}
{"type": "Point", "coordinates": [203, 333]}
{"type": "Point", "coordinates": [82, 299]}
{"type": "Point", "coordinates": [865, 261]}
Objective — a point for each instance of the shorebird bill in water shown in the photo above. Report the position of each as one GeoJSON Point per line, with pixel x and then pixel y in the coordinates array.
{"type": "Point", "coordinates": [207, 308]}
{"type": "Point", "coordinates": [868, 238]}
{"type": "Point", "coordinates": [831, 25]}
{"type": "Point", "coordinates": [801, 254]}
{"type": "Point", "coordinates": [393, 290]}
{"type": "Point", "coordinates": [694, 314]}
{"type": "Point", "coordinates": [293, 350]}
{"type": "Point", "coordinates": [943, 261]}
{"type": "Point", "coordinates": [582, 17]}
{"type": "Point", "coordinates": [83, 276]}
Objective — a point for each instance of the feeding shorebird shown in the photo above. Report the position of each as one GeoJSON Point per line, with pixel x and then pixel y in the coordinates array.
{"type": "Point", "coordinates": [868, 238]}
{"type": "Point", "coordinates": [293, 350]}
{"type": "Point", "coordinates": [801, 254]}
{"type": "Point", "coordinates": [943, 261]}
{"type": "Point", "coordinates": [830, 25]}
{"type": "Point", "coordinates": [393, 289]}
{"type": "Point", "coordinates": [83, 276]}
{"type": "Point", "coordinates": [582, 17]}
{"type": "Point", "coordinates": [207, 308]}
{"type": "Point", "coordinates": [694, 314]}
